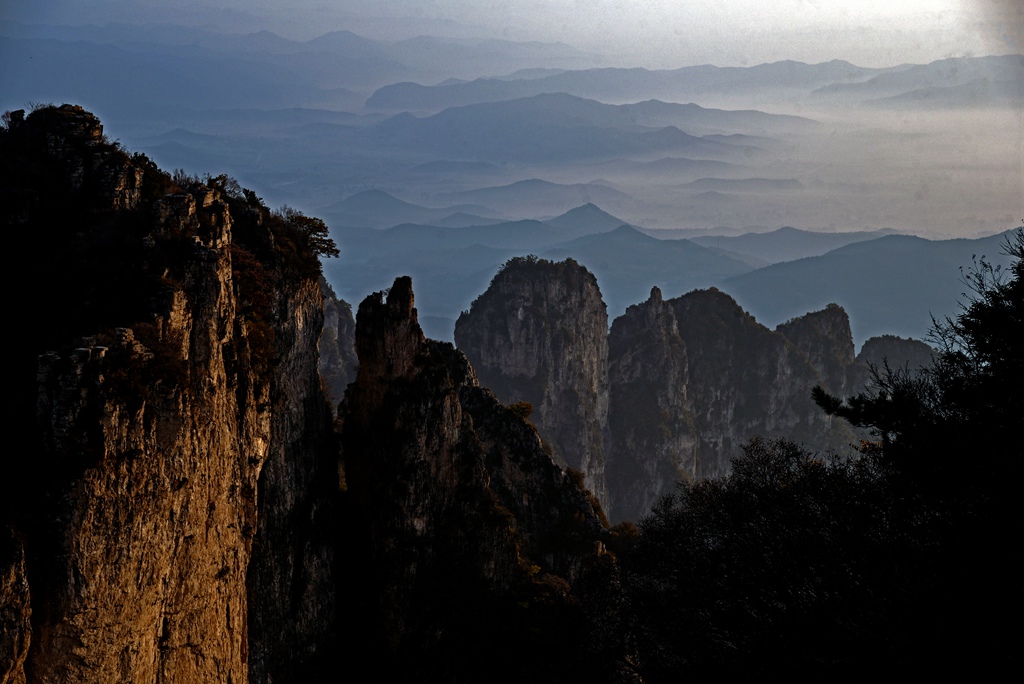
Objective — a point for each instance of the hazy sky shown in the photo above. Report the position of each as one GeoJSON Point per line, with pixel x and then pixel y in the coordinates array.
{"type": "Point", "coordinates": [656, 33]}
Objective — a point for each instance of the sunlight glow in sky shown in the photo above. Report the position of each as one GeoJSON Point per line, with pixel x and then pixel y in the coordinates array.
{"type": "Point", "coordinates": [654, 33]}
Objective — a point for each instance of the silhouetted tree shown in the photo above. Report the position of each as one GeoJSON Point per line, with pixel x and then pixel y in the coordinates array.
{"type": "Point", "coordinates": [969, 402]}
{"type": "Point", "coordinates": [901, 559]}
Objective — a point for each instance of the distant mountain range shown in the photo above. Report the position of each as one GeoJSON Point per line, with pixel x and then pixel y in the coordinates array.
{"type": "Point", "coordinates": [785, 244]}
{"type": "Point", "coordinates": [950, 82]}
{"type": "Point", "coordinates": [889, 284]}
{"type": "Point", "coordinates": [471, 132]}
{"type": "Point", "coordinates": [339, 59]}
{"type": "Point", "coordinates": [539, 197]}
{"type": "Point", "coordinates": [625, 85]}
{"type": "Point", "coordinates": [541, 129]}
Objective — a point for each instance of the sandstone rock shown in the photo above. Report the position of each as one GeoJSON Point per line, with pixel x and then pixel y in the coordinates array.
{"type": "Point", "coordinates": [15, 609]}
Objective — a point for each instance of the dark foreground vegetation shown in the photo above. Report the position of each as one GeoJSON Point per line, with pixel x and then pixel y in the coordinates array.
{"type": "Point", "coordinates": [902, 560]}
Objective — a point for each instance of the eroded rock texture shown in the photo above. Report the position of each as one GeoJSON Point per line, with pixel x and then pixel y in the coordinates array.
{"type": "Point", "coordinates": [469, 520]}
{"type": "Point", "coordinates": [539, 335]}
{"type": "Point", "coordinates": [825, 339]}
{"type": "Point", "coordinates": [182, 362]}
{"type": "Point", "coordinates": [898, 353]}
{"type": "Point", "coordinates": [694, 378]}
{"type": "Point", "coordinates": [338, 361]}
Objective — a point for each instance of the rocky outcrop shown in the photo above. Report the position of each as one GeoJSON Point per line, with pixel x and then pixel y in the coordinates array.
{"type": "Point", "coordinates": [338, 361]}
{"type": "Point", "coordinates": [179, 417]}
{"type": "Point", "coordinates": [15, 609]}
{"type": "Point", "coordinates": [539, 335]}
{"type": "Point", "coordinates": [887, 350]}
{"type": "Point", "coordinates": [689, 380]}
{"type": "Point", "coordinates": [825, 339]}
{"type": "Point", "coordinates": [651, 425]}
{"type": "Point", "coordinates": [692, 380]}
{"type": "Point", "coordinates": [468, 517]}
{"type": "Point", "coordinates": [72, 139]}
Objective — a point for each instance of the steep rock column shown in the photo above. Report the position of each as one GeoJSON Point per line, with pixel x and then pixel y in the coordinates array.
{"type": "Point", "coordinates": [338, 361]}
{"type": "Point", "coordinates": [651, 425]}
{"type": "Point", "coordinates": [291, 578]}
{"type": "Point", "coordinates": [692, 380]}
{"type": "Point", "coordinates": [15, 609]}
{"type": "Point", "coordinates": [539, 334]}
{"type": "Point", "coordinates": [466, 517]}
{"type": "Point", "coordinates": [132, 505]}
{"type": "Point", "coordinates": [825, 338]}
{"type": "Point", "coordinates": [141, 573]}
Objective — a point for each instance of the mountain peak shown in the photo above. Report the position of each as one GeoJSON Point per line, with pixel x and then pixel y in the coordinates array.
{"type": "Point", "coordinates": [586, 218]}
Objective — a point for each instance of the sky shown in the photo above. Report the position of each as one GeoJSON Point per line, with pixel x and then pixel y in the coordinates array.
{"type": "Point", "coordinates": [652, 33]}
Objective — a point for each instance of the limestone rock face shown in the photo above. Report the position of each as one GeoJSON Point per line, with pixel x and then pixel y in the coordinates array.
{"type": "Point", "coordinates": [136, 504]}
{"type": "Point", "coordinates": [15, 609]}
{"type": "Point", "coordinates": [693, 379]}
{"type": "Point", "coordinates": [150, 543]}
{"type": "Point", "coordinates": [292, 573]}
{"type": "Point", "coordinates": [461, 501]}
{"type": "Point", "coordinates": [653, 432]}
{"type": "Point", "coordinates": [539, 335]}
{"type": "Point", "coordinates": [826, 340]}
{"type": "Point", "coordinates": [338, 361]}
{"type": "Point", "coordinates": [897, 352]}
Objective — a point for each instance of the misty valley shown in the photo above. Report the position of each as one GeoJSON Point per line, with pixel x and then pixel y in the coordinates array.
{"type": "Point", "coordinates": [460, 360]}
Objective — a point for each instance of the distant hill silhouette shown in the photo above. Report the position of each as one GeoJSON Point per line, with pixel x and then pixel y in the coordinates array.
{"type": "Point", "coordinates": [628, 263]}
{"type": "Point", "coordinates": [543, 128]}
{"type": "Point", "coordinates": [588, 218]}
{"type": "Point", "coordinates": [890, 285]}
{"type": "Point", "coordinates": [786, 244]}
{"type": "Point", "coordinates": [624, 85]}
{"type": "Point", "coordinates": [379, 209]}
{"type": "Point", "coordinates": [945, 81]}
{"type": "Point", "coordinates": [535, 197]}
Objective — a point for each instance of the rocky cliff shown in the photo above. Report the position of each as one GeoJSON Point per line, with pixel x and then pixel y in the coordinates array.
{"type": "Point", "coordinates": [694, 378]}
{"type": "Point", "coordinates": [887, 350]}
{"type": "Point", "coordinates": [824, 337]}
{"type": "Point", "coordinates": [689, 380]}
{"type": "Point", "coordinates": [539, 335]}
{"type": "Point", "coordinates": [652, 425]}
{"type": "Point", "coordinates": [338, 360]}
{"type": "Point", "coordinates": [469, 521]}
{"type": "Point", "coordinates": [179, 417]}
{"type": "Point", "coordinates": [188, 508]}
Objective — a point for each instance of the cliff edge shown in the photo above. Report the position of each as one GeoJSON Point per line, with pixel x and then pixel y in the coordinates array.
{"type": "Point", "coordinates": [178, 417]}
